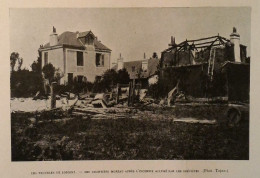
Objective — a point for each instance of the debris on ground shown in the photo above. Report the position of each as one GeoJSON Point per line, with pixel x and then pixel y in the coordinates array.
{"type": "Point", "coordinates": [194, 120]}
{"type": "Point", "coordinates": [162, 102]}
{"type": "Point", "coordinates": [149, 134]}
{"type": "Point", "coordinates": [99, 103]}
{"type": "Point", "coordinates": [172, 96]}
{"type": "Point", "coordinates": [103, 100]}
{"type": "Point", "coordinates": [142, 94]}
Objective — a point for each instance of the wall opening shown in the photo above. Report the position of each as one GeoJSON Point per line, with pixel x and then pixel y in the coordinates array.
{"type": "Point", "coordinates": [80, 61]}
{"type": "Point", "coordinates": [99, 60]}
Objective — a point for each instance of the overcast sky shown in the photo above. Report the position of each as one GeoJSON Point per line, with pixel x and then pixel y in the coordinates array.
{"type": "Point", "coordinates": [129, 31]}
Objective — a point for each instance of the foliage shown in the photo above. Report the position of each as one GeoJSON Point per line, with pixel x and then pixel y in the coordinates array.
{"type": "Point", "coordinates": [48, 72]}
{"type": "Point", "coordinates": [60, 89]}
{"type": "Point", "coordinates": [20, 63]}
{"type": "Point", "coordinates": [97, 85]}
{"type": "Point", "coordinates": [14, 57]}
{"type": "Point", "coordinates": [123, 76]}
{"type": "Point", "coordinates": [25, 83]}
{"type": "Point", "coordinates": [89, 86]}
{"type": "Point", "coordinates": [75, 87]}
{"type": "Point", "coordinates": [110, 79]}
{"type": "Point", "coordinates": [52, 75]}
{"type": "Point", "coordinates": [36, 65]}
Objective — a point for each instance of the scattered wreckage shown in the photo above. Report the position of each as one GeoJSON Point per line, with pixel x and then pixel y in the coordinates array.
{"type": "Point", "coordinates": [232, 97]}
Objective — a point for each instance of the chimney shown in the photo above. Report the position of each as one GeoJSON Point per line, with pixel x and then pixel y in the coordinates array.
{"type": "Point", "coordinates": [53, 37]}
{"type": "Point", "coordinates": [120, 63]}
{"type": "Point", "coordinates": [172, 41]}
{"type": "Point", "coordinates": [235, 40]}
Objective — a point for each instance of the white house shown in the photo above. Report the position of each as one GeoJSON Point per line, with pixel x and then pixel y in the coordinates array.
{"type": "Point", "coordinates": [78, 55]}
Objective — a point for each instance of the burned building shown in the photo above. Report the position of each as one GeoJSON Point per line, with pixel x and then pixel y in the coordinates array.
{"type": "Point", "coordinates": [204, 67]}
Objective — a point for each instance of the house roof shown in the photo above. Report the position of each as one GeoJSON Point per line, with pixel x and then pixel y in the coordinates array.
{"type": "Point", "coordinates": [99, 45]}
{"type": "Point", "coordinates": [70, 39]}
{"type": "Point", "coordinates": [137, 65]}
{"type": "Point", "coordinates": [152, 68]}
{"type": "Point", "coordinates": [82, 34]}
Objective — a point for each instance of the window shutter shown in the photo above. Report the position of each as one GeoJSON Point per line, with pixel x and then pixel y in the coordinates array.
{"type": "Point", "coordinates": [102, 60]}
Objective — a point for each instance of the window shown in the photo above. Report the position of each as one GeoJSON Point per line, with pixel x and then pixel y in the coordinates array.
{"type": "Point", "coordinates": [99, 60]}
{"type": "Point", "coordinates": [70, 78]}
{"type": "Point", "coordinates": [45, 58]}
{"type": "Point", "coordinates": [89, 40]}
{"type": "Point", "coordinates": [79, 58]}
{"type": "Point", "coordinates": [133, 68]}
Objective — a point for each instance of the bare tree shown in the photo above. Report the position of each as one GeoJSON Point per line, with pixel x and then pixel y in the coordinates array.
{"type": "Point", "coordinates": [14, 57]}
{"type": "Point", "coordinates": [20, 63]}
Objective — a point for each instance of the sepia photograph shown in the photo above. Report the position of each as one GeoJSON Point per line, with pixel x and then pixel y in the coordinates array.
{"type": "Point", "coordinates": [169, 83]}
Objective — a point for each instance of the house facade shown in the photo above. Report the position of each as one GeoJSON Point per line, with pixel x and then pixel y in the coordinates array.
{"type": "Point", "coordinates": [143, 71]}
{"type": "Point", "coordinates": [79, 56]}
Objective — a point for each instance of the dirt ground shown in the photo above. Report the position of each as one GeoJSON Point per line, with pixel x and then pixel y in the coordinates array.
{"type": "Point", "coordinates": [140, 135]}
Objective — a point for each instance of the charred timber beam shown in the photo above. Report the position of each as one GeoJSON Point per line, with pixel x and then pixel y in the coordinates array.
{"type": "Point", "coordinates": [213, 43]}
{"type": "Point", "coordinates": [209, 42]}
{"type": "Point", "coordinates": [202, 39]}
{"type": "Point", "coordinates": [206, 46]}
{"type": "Point", "coordinates": [223, 38]}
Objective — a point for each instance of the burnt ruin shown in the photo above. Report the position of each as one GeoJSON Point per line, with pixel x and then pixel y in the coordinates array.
{"type": "Point", "coordinates": [208, 67]}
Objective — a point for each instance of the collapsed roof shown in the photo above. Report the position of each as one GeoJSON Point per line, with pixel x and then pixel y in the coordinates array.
{"type": "Point", "coordinates": [202, 43]}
